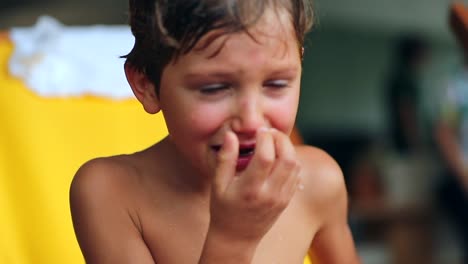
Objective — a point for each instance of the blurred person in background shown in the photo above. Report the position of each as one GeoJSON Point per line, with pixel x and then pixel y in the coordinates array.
{"type": "Point", "coordinates": [451, 134]}
{"type": "Point", "coordinates": [403, 94]}
{"type": "Point", "coordinates": [405, 215]}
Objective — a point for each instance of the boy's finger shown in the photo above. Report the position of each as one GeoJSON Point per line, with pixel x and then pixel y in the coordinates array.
{"type": "Point", "coordinates": [263, 159]}
{"type": "Point", "coordinates": [226, 162]}
{"type": "Point", "coordinates": [286, 162]}
{"type": "Point", "coordinates": [293, 184]}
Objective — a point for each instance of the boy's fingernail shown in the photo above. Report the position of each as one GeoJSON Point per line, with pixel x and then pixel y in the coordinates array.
{"type": "Point", "coordinates": [264, 129]}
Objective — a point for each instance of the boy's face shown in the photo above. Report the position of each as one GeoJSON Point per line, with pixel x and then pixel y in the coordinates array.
{"type": "Point", "coordinates": [232, 83]}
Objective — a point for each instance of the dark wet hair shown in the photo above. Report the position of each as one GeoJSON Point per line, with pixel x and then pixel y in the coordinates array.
{"type": "Point", "coordinates": [165, 29]}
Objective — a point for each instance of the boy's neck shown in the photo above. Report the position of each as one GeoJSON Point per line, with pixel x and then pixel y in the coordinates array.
{"type": "Point", "coordinates": [181, 175]}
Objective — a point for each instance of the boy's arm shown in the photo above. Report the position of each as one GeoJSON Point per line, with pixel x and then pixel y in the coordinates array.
{"type": "Point", "coordinates": [104, 228]}
{"type": "Point", "coordinates": [333, 243]}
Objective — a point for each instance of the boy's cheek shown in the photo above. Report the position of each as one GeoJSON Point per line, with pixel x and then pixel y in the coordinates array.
{"type": "Point", "coordinates": [283, 123]}
{"type": "Point", "coordinates": [207, 122]}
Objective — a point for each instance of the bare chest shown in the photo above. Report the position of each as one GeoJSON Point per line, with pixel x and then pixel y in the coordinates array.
{"type": "Point", "coordinates": [177, 236]}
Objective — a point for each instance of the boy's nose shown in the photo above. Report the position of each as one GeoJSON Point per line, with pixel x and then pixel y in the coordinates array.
{"type": "Point", "coordinates": [248, 118]}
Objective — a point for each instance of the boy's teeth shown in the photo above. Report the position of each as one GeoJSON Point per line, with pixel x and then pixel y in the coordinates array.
{"type": "Point", "coordinates": [246, 151]}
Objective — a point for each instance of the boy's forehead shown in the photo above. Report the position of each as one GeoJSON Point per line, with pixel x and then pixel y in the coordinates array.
{"type": "Point", "coordinates": [273, 29]}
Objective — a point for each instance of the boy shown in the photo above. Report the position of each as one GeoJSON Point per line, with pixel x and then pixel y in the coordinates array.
{"type": "Point", "coordinates": [226, 185]}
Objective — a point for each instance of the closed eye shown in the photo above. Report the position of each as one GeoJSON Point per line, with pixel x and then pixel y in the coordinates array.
{"type": "Point", "coordinates": [213, 88]}
{"type": "Point", "coordinates": [277, 83]}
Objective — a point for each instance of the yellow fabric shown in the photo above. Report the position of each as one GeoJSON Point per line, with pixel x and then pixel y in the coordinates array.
{"type": "Point", "coordinates": [307, 260]}
{"type": "Point", "coordinates": [43, 141]}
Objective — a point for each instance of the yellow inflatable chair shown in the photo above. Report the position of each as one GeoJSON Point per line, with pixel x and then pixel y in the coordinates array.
{"type": "Point", "coordinates": [43, 141]}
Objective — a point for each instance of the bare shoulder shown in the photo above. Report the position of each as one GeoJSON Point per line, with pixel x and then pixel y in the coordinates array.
{"type": "Point", "coordinates": [103, 212]}
{"type": "Point", "coordinates": [320, 170]}
{"type": "Point", "coordinates": [104, 177]}
{"type": "Point", "coordinates": [322, 179]}
{"type": "Point", "coordinates": [325, 195]}
{"type": "Point", "coordinates": [102, 185]}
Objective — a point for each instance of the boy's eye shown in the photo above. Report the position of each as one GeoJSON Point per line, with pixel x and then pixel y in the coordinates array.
{"type": "Point", "coordinates": [213, 88]}
{"type": "Point", "coordinates": [277, 83]}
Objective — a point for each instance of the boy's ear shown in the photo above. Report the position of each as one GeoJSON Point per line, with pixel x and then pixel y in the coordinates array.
{"type": "Point", "coordinates": [143, 89]}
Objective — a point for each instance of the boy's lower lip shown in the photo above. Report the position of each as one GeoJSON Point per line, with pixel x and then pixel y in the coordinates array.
{"type": "Point", "coordinates": [242, 163]}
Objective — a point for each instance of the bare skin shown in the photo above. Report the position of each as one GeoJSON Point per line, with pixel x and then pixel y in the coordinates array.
{"type": "Point", "coordinates": [124, 213]}
{"type": "Point", "coordinates": [192, 198]}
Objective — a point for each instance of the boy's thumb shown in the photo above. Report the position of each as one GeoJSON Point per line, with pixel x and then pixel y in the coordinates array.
{"type": "Point", "coordinates": [226, 162]}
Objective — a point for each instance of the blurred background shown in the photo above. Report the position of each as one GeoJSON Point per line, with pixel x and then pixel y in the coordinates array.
{"type": "Point", "coordinates": [377, 94]}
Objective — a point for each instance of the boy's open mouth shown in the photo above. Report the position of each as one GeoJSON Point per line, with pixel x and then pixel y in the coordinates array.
{"type": "Point", "coordinates": [244, 150]}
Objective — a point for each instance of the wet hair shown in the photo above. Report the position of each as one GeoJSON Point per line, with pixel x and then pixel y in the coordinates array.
{"type": "Point", "coordinates": [166, 29]}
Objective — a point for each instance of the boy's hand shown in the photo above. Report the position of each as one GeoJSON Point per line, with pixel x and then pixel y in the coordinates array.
{"type": "Point", "coordinates": [246, 205]}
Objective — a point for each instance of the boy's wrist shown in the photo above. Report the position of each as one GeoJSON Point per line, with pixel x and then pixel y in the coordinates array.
{"type": "Point", "coordinates": [219, 248]}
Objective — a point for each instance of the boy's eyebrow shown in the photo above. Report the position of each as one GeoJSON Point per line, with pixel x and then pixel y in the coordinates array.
{"type": "Point", "coordinates": [219, 73]}
{"type": "Point", "coordinates": [292, 70]}
{"type": "Point", "coordinates": [215, 74]}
